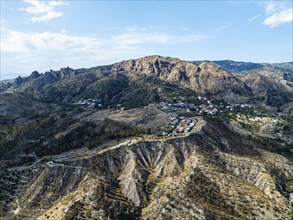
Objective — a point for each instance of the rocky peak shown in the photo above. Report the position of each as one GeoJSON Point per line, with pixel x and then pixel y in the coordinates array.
{"type": "Point", "coordinates": [202, 78]}
{"type": "Point", "coordinates": [151, 66]}
{"type": "Point", "coordinates": [34, 74]}
{"type": "Point", "coordinates": [65, 72]}
{"type": "Point", "coordinates": [19, 80]}
{"type": "Point", "coordinates": [168, 68]}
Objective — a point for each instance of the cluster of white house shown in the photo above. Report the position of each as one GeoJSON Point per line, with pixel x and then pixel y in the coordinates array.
{"type": "Point", "coordinates": [182, 125]}
{"type": "Point", "coordinates": [89, 102]}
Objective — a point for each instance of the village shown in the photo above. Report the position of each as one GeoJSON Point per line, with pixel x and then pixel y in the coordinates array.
{"type": "Point", "coordinates": [204, 107]}
{"type": "Point", "coordinates": [181, 113]}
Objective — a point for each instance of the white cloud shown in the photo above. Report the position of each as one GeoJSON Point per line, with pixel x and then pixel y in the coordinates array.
{"type": "Point", "coordinates": [46, 8]}
{"type": "Point", "coordinates": [277, 13]}
{"type": "Point", "coordinates": [57, 3]}
{"type": "Point", "coordinates": [272, 7]}
{"type": "Point", "coordinates": [47, 17]}
{"type": "Point", "coordinates": [39, 7]}
{"type": "Point", "coordinates": [251, 19]}
{"type": "Point", "coordinates": [19, 42]}
{"type": "Point", "coordinates": [136, 28]}
{"type": "Point", "coordinates": [64, 31]}
{"type": "Point", "coordinates": [138, 38]}
{"type": "Point", "coordinates": [279, 18]}
{"type": "Point", "coordinates": [142, 38]}
{"type": "Point", "coordinates": [190, 38]}
{"type": "Point", "coordinates": [222, 28]}
{"type": "Point", "coordinates": [24, 52]}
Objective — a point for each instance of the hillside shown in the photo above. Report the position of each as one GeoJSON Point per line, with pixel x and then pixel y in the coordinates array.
{"type": "Point", "coordinates": [159, 178]}
{"type": "Point", "coordinates": [151, 138]}
{"type": "Point", "coordinates": [271, 92]}
{"type": "Point", "coordinates": [282, 72]}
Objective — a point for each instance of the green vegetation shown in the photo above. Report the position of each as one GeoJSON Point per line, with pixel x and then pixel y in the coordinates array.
{"type": "Point", "coordinates": [287, 123]}
{"type": "Point", "coordinates": [112, 135]}
{"type": "Point", "coordinates": [275, 146]}
{"type": "Point", "coordinates": [10, 184]}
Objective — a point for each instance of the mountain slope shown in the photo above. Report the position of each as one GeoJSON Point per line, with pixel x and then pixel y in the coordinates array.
{"type": "Point", "coordinates": [225, 177]}
{"type": "Point", "coordinates": [271, 92]}
{"type": "Point", "coordinates": [118, 83]}
{"type": "Point", "coordinates": [282, 72]}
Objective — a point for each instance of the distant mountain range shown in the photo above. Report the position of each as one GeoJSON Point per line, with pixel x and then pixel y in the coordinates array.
{"type": "Point", "coordinates": [153, 78]}
{"type": "Point", "coordinates": [235, 67]}
{"type": "Point", "coordinates": [244, 67]}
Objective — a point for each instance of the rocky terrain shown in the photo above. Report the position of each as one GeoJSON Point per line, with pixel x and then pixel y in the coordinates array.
{"type": "Point", "coordinates": [151, 138]}
{"type": "Point", "coordinates": [211, 174]}
{"type": "Point", "coordinates": [203, 78]}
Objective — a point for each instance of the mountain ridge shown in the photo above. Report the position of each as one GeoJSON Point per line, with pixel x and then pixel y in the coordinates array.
{"type": "Point", "coordinates": [202, 78]}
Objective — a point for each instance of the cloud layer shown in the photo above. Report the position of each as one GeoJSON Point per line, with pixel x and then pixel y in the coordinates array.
{"type": "Point", "coordinates": [46, 50]}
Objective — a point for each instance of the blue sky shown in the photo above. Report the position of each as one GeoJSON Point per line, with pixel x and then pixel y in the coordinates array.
{"type": "Point", "coordinates": [42, 35]}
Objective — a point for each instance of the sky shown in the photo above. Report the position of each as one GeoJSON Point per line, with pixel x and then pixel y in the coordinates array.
{"type": "Point", "coordinates": [42, 35]}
